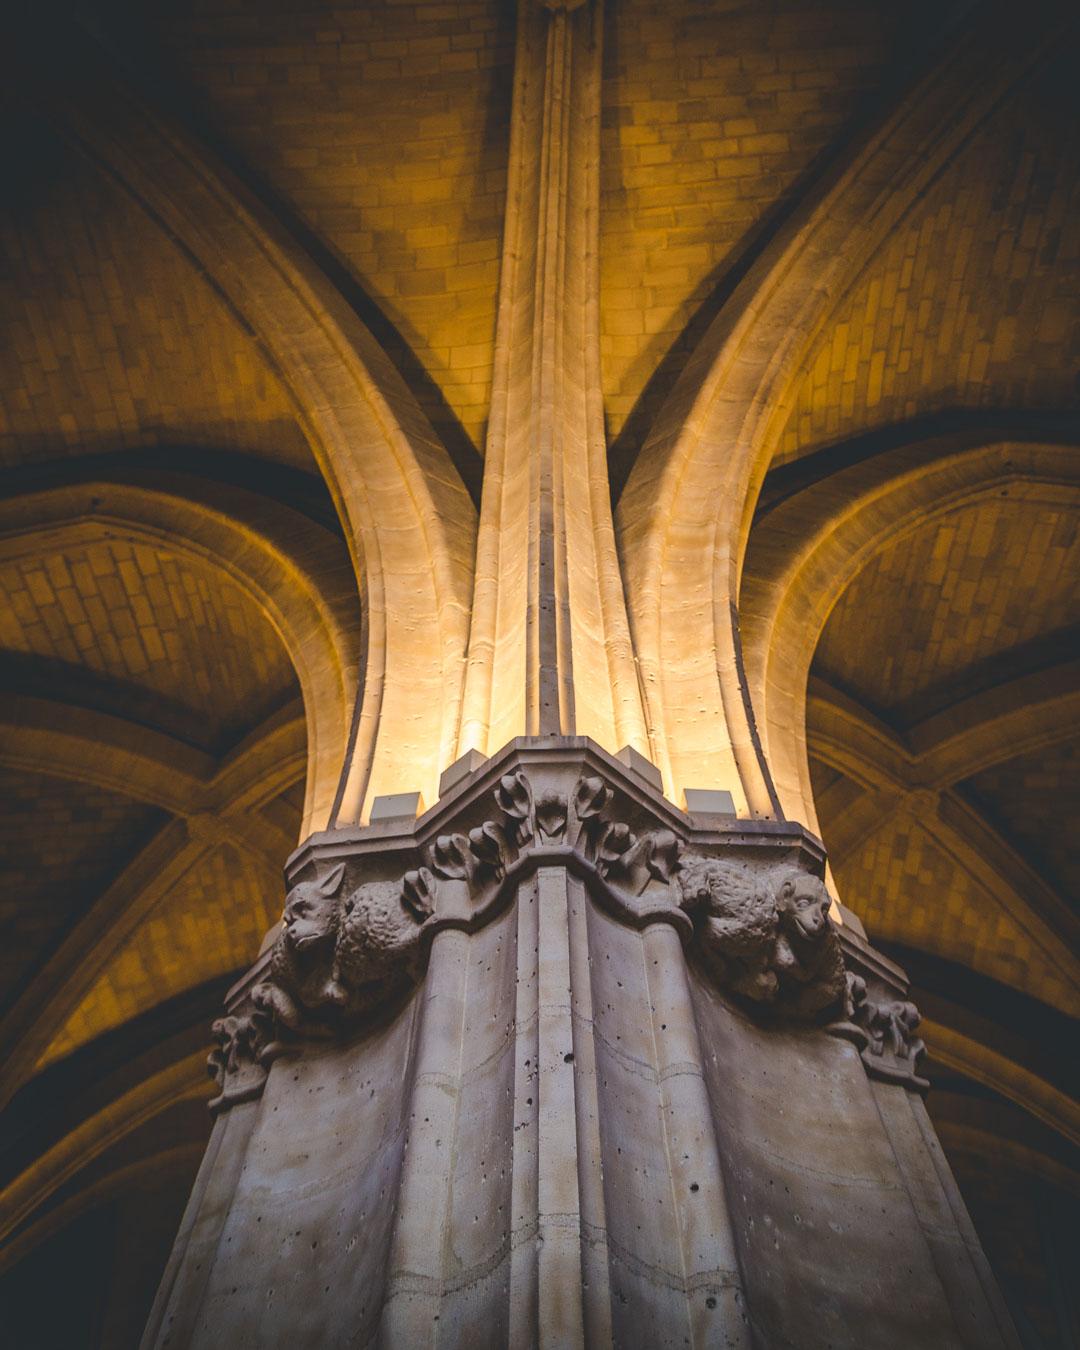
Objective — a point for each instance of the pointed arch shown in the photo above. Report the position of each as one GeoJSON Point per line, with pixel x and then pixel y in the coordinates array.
{"type": "Point", "coordinates": [296, 573]}
{"type": "Point", "coordinates": [684, 517]}
{"type": "Point", "coordinates": [409, 521]}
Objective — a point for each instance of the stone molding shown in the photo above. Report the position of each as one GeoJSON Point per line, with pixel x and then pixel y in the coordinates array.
{"type": "Point", "coordinates": [745, 898]}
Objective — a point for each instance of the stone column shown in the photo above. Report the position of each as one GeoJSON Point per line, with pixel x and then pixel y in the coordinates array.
{"type": "Point", "coordinates": [559, 1065]}
{"type": "Point", "coordinates": [549, 643]}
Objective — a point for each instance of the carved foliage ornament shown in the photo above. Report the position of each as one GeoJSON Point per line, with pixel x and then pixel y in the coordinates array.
{"type": "Point", "coordinates": [763, 933]}
{"type": "Point", "coordinates": [235, 1063]}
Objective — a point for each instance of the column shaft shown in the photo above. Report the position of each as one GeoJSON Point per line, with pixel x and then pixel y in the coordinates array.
{"type": "Point", "coordinates": [549, 648]}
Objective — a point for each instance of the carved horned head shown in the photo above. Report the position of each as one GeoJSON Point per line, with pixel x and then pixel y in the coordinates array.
{"type": "Point", "coordinates": [312, 912]}
{"type": "Point", "coordinates": [802, 903]}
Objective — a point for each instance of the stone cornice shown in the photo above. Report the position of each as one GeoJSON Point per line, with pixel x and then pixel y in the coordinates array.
{"type": "Point", "coordinates": [528, 752]}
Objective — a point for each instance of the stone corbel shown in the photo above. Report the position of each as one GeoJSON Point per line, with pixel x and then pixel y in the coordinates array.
{"type": "Point", "coordinates": [238, 1063]}
{"type": "Point", "coordinates": [764, 933]}
{"type": "Point", "coordinates": [882, 1024]}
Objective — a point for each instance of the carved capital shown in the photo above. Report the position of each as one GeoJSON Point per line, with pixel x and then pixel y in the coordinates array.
{"type": "Point", "coordinates": [362, 912]}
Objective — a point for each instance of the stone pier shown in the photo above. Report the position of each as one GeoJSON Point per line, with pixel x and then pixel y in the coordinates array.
{"type": "Point", "coordinates": [557, 1064]}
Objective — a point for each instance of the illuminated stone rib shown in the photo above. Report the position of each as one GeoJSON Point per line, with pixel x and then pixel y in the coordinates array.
{"type": "Point", "coordinates": [549, 646]}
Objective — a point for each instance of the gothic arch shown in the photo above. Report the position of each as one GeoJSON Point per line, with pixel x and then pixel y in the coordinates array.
{"type": "Point", "coordinates": [293, 571]}
{"type": "Point", "coordinates": [26, 1193]}
{"type": "Point", "coordinates": [40, 1227]}
{"type": "Point", "coordinates": [805, 553]}
{"type": "Point", "coordinates": [409, 521]}
{"type": "Point", "coordinates": [684, 518]}
{"type": "Point", "coordinates": [822, 537]}
{"type": "Point", "coordinates": [299, 577]}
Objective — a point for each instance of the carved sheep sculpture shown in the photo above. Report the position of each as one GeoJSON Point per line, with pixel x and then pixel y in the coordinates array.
{"type": "Point", "coordinates": [765, 934]}
{"type": "Point", "coordinates": [338, 955]}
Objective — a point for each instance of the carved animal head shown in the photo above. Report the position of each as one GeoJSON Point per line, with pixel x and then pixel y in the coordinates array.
{"type": "Point", "coordinates": [312, 912]}
{"type": "Point", "coordinates": [802, 903]}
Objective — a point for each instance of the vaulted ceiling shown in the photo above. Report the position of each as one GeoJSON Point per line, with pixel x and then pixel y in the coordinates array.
{"type": "Point", "coordinates": [201, 198]}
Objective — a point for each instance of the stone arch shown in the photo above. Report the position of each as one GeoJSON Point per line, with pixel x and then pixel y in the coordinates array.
{"type": "Point", "coordinates": [805, 552]}
{"type": "Point", "coordinates": [409, 521]}
{"type": "Point", "coordinates": [295, 572]}
{"type": "Point", "coordinates": [809, 548]}
{"type": "Point", "coordinates": [41, 1225]}
{"type": "Point", "coordinates": [299, 577]}
{"type": "Point", "coordinates": [26, 1193]}
{"type": "Point", "coordinates": [683, 522]}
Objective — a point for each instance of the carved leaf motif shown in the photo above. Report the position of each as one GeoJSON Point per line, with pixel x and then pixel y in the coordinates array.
{"type": "Point", "coordinates": [590, 797]}
{"type": "Point", "coordinates": [663, 859]}
{"type": "Point", "coordinates": [514, 798]}
{"type": "Point", "coordinates": [217, 1061]}
{"type": "Point", "coordinates": [615, 840]}
{"type": "Point", "coordinates": [854, 997]}
{"type": "Point", "coordinates": [551, 815]}
{"type": "Point", "coordinates": [452, 857]}
{"type": "Point", "coordinates": [653, 857]}
{"type": "Point", "coordinates": [239, 1039]}
{"type": "Point", "coordinates": [892, 1026]}
{"type": "Point", "coordinates": [884, 1031]}
{"type": "Point", "coordinates": [489, 847]}
{"type": "Point", "coordinates": [418, 891]}
{"type": "Point", "coordinates": [331, 883]}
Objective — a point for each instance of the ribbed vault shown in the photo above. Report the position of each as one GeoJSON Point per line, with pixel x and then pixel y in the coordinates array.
{"type": "Point", "coordinates": [250, 286]}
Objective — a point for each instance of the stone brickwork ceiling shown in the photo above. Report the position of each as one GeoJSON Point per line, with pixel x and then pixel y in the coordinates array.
{"type": "Point", "coordinates": [112, 340]}
{"type": "Point", "coordinates": [384, 128]}
{"type": "Point", "coordinates": [211, 920]}
{"type": "Point", "coordinates": [382, 380]}
{"type": "Point", "coordinates": [972, 302]}
{"type": "Point", "coordinates": [146, 618]}
{"type": "Point", "coordinates": [712, 115]}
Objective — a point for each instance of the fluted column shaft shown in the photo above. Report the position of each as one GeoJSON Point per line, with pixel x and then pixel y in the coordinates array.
{"type": "Point", "coordinates": [549, 647]}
